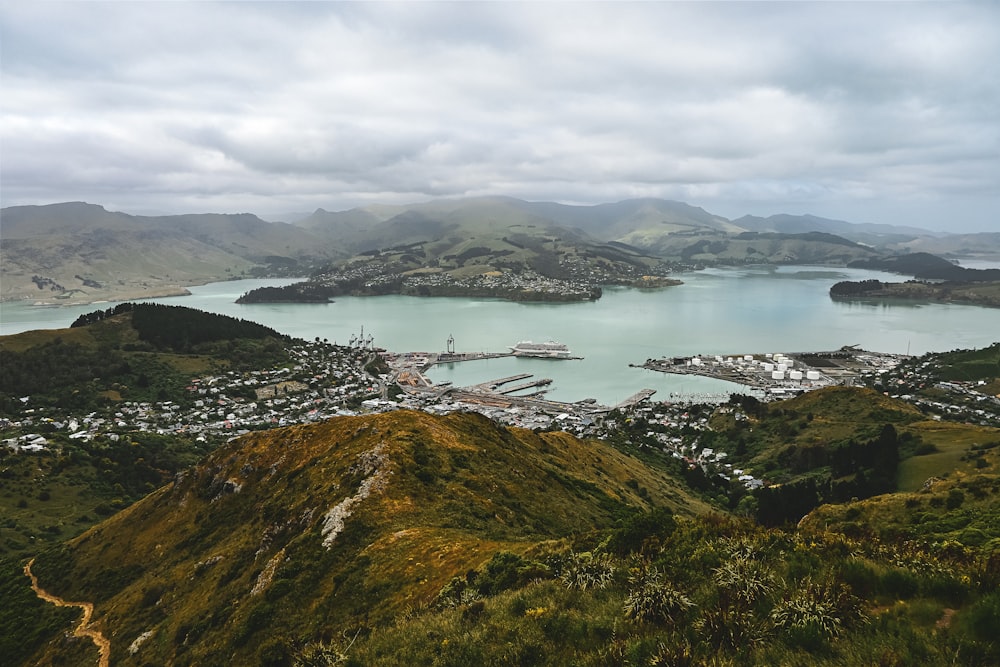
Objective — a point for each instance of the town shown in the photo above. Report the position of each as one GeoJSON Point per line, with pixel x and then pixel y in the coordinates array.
{"type": "Point", "coordinates": [327, 380]}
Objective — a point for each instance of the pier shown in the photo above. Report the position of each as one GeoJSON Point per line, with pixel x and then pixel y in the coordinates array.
{"type": "Point", "coordinates": [507, 380]}
{"type": "Point", "coordinates": [526, 385]}
{"type": "Point", "coordinates": [637, 397]}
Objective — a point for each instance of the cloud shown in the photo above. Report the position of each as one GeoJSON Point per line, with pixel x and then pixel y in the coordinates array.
{"type": "Point", "coordinates": [774, 107]}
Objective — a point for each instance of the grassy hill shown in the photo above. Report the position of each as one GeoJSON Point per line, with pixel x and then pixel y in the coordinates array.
{"type": "Point", "coordinates": [135, 352]}
{"type": "Point", "coordinates": [77, 252]}
{"type": "Point", "coordinates": [300, 534]}
{"type": "Point", "coordinates": [405, 539]}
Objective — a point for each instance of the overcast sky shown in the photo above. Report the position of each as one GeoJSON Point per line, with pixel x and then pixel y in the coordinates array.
{"type": "Point", "coordinates": [864, 111]}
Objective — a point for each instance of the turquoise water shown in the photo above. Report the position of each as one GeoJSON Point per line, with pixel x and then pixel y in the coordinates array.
{"type": "Point", "coordinates": [716, 311]}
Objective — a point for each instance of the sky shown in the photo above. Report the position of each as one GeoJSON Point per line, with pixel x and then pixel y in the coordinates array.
{"type": "Point", "coordinates": [882, 112]}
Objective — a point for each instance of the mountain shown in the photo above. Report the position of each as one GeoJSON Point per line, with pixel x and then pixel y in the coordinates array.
{"type": "Point", "coordinates": [926, 266]}
{"type": "Point", "coordinates": [308, 532]}
{"type": "Point", "coordinates": [76, 252]}
{"type": "Point", "coordinates": [671, 230]}
{"type": "Point", "coordinates": [872, 234]}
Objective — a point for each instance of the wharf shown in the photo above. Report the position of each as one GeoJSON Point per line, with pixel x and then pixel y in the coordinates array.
{"type": "Point", "coordinates": [635, 398]}
{"type": "Point", "coordinates": [526, 385]}
{"type": "Point", "coordinates": [507, 380]}
{"type": "Point", "coordinates": [781, 374]}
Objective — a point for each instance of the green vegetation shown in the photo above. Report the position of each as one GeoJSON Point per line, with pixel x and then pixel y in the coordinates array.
{"type": "Point", "coordinates": [50, 496]}
{"type": "Point", "coordinates": [405, 538]}
{"type": "Point", "coordinates": [718, 591]}
{"type": "Point", "coordinates": [137, 352]}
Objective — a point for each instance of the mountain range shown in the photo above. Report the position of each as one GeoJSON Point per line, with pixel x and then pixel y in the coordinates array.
{"type": "Point", "coordinates": [79, 252]}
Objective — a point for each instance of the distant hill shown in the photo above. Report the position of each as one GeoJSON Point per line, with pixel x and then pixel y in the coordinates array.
{"type": "Point", "coordinates": [872, 234]}
{"type": "Point", "coordinates": [78, 252]}
{"type": "Point", "coordinates": [674, 231]}
{"type": "Point", "coordinates": [133, 351]}
{"type": "Point", "coordinates": [928, 267]}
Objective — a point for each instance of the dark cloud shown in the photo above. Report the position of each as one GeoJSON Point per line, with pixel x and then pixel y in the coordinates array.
{"type": "Point", "coordinates": [885, 110]}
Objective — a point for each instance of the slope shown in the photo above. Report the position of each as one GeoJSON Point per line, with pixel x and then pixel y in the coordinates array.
{"type": "Point", "coordinates": [81, 252]}
{"type": "Point", "coordinates": [310, 531]}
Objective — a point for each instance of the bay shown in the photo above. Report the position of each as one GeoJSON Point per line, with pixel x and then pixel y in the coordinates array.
{"type": "Point", "coordinates": [717, 311]}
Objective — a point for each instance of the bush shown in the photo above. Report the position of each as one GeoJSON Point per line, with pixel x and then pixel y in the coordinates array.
{"type": "Point", "coordinates": [982, 620]}
{"type": "Point", "coordinates": [585, 570]}
{"type": "Point", "coordinates": [653, 600]}
{"type": "Point", "coordinates": [641, 529]}
{"type": "Point", "coordinates": [900, 584]}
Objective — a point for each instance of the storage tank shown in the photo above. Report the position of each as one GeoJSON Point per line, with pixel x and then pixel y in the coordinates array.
{"type": "Point", "coordinates": [781, 367]}
{"type": "Point", "coordinates": [747, 357]}
{"type": "Point", "coordinates": [768, 366]}
{"type": "Point", "coordinates": [794, 375]}
{"type": "Point", "coordinates": [777, 375]}
{"type": "Point", "coordinates": [812, 375]}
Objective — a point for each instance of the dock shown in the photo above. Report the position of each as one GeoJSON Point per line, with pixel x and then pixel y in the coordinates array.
{"type": "Point", "coordinates": [637, 397]}
{"type": "Point", "coordinates": [525, 385]}
{"type": "Point", "coordinates": [507, 380]}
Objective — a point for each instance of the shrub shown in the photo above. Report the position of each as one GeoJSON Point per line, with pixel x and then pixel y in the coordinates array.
{"type": "Point", "coordinates": [809, 619]}
{"type": "Point", "coordinates": [653, 600]}
{"type": "Point", "coordinates": [640, 529]}
{"type": "Point", "coordinates": [585, 570]}
{"type": "Point", "coordinates": [744, 578]}
{"type": "Point", "coordinates": [982, 619]}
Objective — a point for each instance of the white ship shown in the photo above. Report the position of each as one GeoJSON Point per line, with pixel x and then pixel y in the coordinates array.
{"type": "Point", "coordinates": [548, 350]}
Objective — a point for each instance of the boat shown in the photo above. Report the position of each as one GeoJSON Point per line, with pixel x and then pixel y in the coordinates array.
{"type": "Point", "coordinates": [547, 350]}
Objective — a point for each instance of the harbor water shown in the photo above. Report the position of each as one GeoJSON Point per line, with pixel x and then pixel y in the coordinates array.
{"type": "Point", "coordinates": [716, 311]}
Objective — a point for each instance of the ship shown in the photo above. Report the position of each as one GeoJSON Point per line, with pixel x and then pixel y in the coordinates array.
{"type": "Point", "coordinates": [547, 350]}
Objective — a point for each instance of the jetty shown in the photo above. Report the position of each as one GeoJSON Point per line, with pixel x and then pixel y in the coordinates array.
{"type": "Point", "coordinates": [635, 398]}
{"type": "Point", "coordinates": [525, 385]}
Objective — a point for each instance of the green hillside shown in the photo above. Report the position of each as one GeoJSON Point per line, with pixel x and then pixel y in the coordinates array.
{"type": "Point", "coordinates": [300, 534]}
{"type": "Point", "coordinates": [131, 354]}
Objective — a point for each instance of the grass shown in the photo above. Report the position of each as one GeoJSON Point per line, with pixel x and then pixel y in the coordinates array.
{"type": "Point", "coordinates": [953, 442]}
{"type": "Point", "coordinates": [458, 490]}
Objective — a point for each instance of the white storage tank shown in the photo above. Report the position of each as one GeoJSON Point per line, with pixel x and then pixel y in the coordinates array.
{"type": "Point", "coordinates": [777, 375]}
{"type": "Point", "coordinates": [812, 375]}
{"type": "Point", "coordinates": [768, 366]}
{"type": "Point", "coordinates": [747, 357]}
{"type": "Point", "coordinates": [794, 375]}
{"type": "Point", "coordinates": [781, 367]}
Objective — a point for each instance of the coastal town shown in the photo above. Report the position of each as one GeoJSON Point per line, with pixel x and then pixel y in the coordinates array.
{"type": "Point", "coordinates": [327, 381]}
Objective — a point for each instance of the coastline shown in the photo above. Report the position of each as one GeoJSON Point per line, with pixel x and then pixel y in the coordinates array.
{"type": "Point", "coordinates": [111, 296]}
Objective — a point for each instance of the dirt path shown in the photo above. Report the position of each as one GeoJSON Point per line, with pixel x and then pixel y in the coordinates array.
{"type": "Point", "coordinates": [81, 630]}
